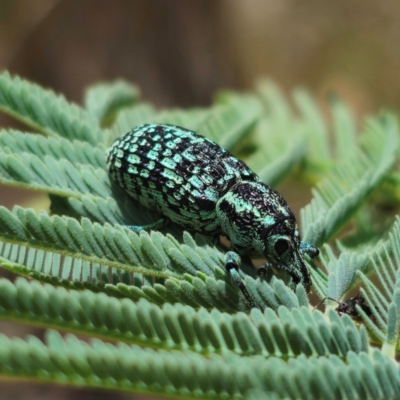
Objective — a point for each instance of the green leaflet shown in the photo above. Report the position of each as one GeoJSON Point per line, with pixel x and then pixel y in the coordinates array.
{"type": "Point", "coordinates": [56, 176]}
{"type": "Point", "coordinates": [104, 100]}
{"type": "Point", "coordinates": [336, 199]}
{"type": "Point", "coordinates": [131, 368]}
{"type": "Point", "coordinates": [92, 242]}
{"type": "Point", "coordinates": [191, 118]}
{"type": "Point", "coordinates": [143, 323]}
{"type": "Point", "coordinates": [383, 324]}
{"type": "Point", "coordinates": [226, 122]}
{"type": "Point", "coordinates": [276, 156]}
{"type": "Point", "coordinates": [315, 127]}
{"type": "Point", "coordinates": [127, 119]}
{"type": "Point", "coordinates": [343, 270]}
{"type": "Point", "coordinates": [310, 125]}
{"type": "Point", "coordinates": [76, 152]}
{"type": "Point", "coordinates": [344, 129]}
{"type": "Point", "coordinates": [46, 112]}
{"type": "Point", "coordinates": [138, 281]}
{"type": "Point", "coordinates": [231, 118]}
{"type": "Point", "coordinates": [346, 187]}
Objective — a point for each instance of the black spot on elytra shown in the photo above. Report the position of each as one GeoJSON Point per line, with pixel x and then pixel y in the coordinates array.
{"type": "Point", "coordinates": [227, 208]}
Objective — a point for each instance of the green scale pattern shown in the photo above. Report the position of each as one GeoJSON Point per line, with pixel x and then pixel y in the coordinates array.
{"type": "Point", "coordinates": [192, 181]}
{"type": "Point", "coordinates": [176, 172]}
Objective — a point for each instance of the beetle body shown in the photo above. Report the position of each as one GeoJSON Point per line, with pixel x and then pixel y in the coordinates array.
{"type": "Point", "coordinates": [197, 184]}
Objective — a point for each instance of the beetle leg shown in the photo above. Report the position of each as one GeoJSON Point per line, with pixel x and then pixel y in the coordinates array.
{"type": "Point", "coordinates": [262, 271]}
{"type": "Point", "coordinates": [309, 249]}
{"type": "Point", "coordinates": [155, 225]}
{"type": "Point", "coordinates": [297, 276]}
{"type": "Point", "coordinates": [232, 264]}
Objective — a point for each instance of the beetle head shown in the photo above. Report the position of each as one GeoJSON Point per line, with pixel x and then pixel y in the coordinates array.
{"type": "Point", "coordinates": [282, 249]}
{"type": "Point", "coordinates": [257, 218]}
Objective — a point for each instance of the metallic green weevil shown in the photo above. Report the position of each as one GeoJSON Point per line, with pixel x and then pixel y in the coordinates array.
{"type": "Point", "coordinates": [192, 181]}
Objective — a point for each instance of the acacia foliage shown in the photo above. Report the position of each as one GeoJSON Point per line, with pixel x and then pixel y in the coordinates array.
{"type": "Point", "coordinates": [163, 316]}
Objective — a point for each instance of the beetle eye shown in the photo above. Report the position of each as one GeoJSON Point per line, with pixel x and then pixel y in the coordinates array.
{"type": "Point", "coordinates": [281, 245]}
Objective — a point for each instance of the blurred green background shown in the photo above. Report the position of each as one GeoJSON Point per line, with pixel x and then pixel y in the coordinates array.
{"type": "Point", "coordinates": [180, 52]}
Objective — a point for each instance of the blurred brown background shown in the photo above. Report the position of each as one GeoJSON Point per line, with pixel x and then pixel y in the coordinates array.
{"type": "Point", "coordinates": [180, 52]}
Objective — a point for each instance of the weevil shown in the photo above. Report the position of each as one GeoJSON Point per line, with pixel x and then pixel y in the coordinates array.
{"type": "Point", "coordinates": [195, 183]}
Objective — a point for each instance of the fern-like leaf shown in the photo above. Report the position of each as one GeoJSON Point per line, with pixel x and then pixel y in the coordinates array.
{"type": "Point", "coordinates": [384, 322]}
{"type": "Point", "coordinates": [104, 100]}
{"type": "Point", "coordinates": [76, 152]}
{"type": "Point", "coordinates": [310, 126]}
{"type": "Point", "coordinates": [51, 175]}
{"type": "Point", "coordinates": [279, 334]}
{"type": "Point", "coordinates": [131, 368]}
{"type": "Point", "coordinates": [276, 156]}
{"type": "Point", "coordinates": [231, 118]}
{"type": "Point", "coordinates": [344, 190]}
{"type": "Point", "coordinates": [344, 129]}
{"type": "Point", "coordinates": [46, 112]}
{"type": "Point", "coordinates": [181, 326]}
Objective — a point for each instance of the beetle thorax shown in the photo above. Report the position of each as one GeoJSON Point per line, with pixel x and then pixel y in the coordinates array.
{"type": "Point", "coordinates": [248, 211]}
